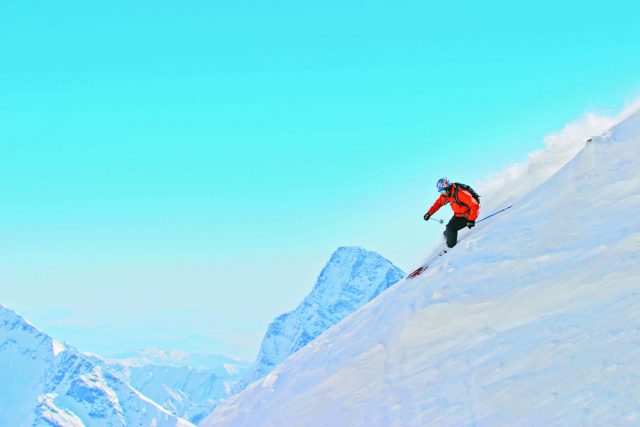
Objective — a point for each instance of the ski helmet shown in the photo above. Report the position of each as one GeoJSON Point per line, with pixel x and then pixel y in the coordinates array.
{"type": "Point", "coordinates": [443, 185]}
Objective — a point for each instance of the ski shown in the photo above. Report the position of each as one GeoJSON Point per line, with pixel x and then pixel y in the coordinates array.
{"type": "Point", "coordinates": [422, 268]}
{"type": "Point", "coordinates": [417, 272]}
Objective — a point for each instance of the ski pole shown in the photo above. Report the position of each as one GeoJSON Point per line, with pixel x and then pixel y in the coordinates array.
{"type": "Point", "coordinates": [441, 221]}
{"type": "Point", "coordinates": [494, 214]}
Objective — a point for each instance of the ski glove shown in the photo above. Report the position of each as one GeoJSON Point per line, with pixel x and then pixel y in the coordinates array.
{"type": "Point", "coordinates": [471, 223]}
{"type": "Point", "coordinates": [427, 216]}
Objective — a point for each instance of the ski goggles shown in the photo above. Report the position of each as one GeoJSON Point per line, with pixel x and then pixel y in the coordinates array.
{"type": "Point", "coordinates": [443, 187]}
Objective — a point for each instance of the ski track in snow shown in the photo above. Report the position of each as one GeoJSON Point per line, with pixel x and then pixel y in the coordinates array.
{"type": "Point", "coordinates": [533, 319]}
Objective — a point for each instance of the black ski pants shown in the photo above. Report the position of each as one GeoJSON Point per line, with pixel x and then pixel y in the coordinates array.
{"type": "Point", "coordinates": [456, 224]}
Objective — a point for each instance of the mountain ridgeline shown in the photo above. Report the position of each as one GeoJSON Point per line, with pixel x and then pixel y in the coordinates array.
{"type": "Point", "coordinates": [46, 383]}
{"type": "Point", "coordinates": [186, 384]}
{"type": "Point", "coordinates": [352, 277]}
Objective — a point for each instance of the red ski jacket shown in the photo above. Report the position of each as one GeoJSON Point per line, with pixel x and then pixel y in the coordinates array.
{"type": "Point", "coordinates": [468, 207]}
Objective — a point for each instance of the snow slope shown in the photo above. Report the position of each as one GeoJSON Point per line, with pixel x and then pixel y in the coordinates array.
{"type": "Point", "coordinates": [45, 383]}
{"type": "Point", "coordinates": [351, 278]}
{"type": "Point", "coordinates": [186, 384]}
{"type": "Point", "coordinates": [533, 319]}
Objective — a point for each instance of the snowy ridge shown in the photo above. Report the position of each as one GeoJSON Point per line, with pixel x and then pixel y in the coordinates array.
{"type": "Point", "coordinates": [47, 384]}
{"type": "Point", "coordinates": [352, 277]}
{"type": "Point", "coordinates": [178, 358]}
{"type": "Point", "coordinates": [533, 319]}
{"type": "Point", "coordinates": [186, 384]}
{"type": "Point", "coordinates": [517, 180]}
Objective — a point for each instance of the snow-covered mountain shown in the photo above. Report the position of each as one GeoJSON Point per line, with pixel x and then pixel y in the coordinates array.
{"type": "Point", "coordinates": [351, 278]}
{"type": "Point", "coordinates": [221, 364]}
{"type": "Point", "coordinates": [533, 319]}
{"type": "Point", "coordinates": [188, 385]}
{"type": "Point", "coordinates": [45, 383]}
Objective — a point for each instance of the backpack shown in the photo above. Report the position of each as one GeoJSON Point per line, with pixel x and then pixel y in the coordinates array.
{"type": "Point", "coordinates": [471, 191]}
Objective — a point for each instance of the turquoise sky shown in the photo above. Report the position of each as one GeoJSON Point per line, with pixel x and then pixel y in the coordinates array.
{"type": "Point", "coordinates": [177, 173]}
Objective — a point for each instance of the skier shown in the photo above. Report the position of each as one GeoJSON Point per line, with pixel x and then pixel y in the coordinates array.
{"type": "Point", "coordinates": [464, 204]}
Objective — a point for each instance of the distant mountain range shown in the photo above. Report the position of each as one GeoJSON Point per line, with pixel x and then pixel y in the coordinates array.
{"type": "Point", "coordinates": [46, 383]}
{"type": "Point", "coordinates": [186, 384]}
